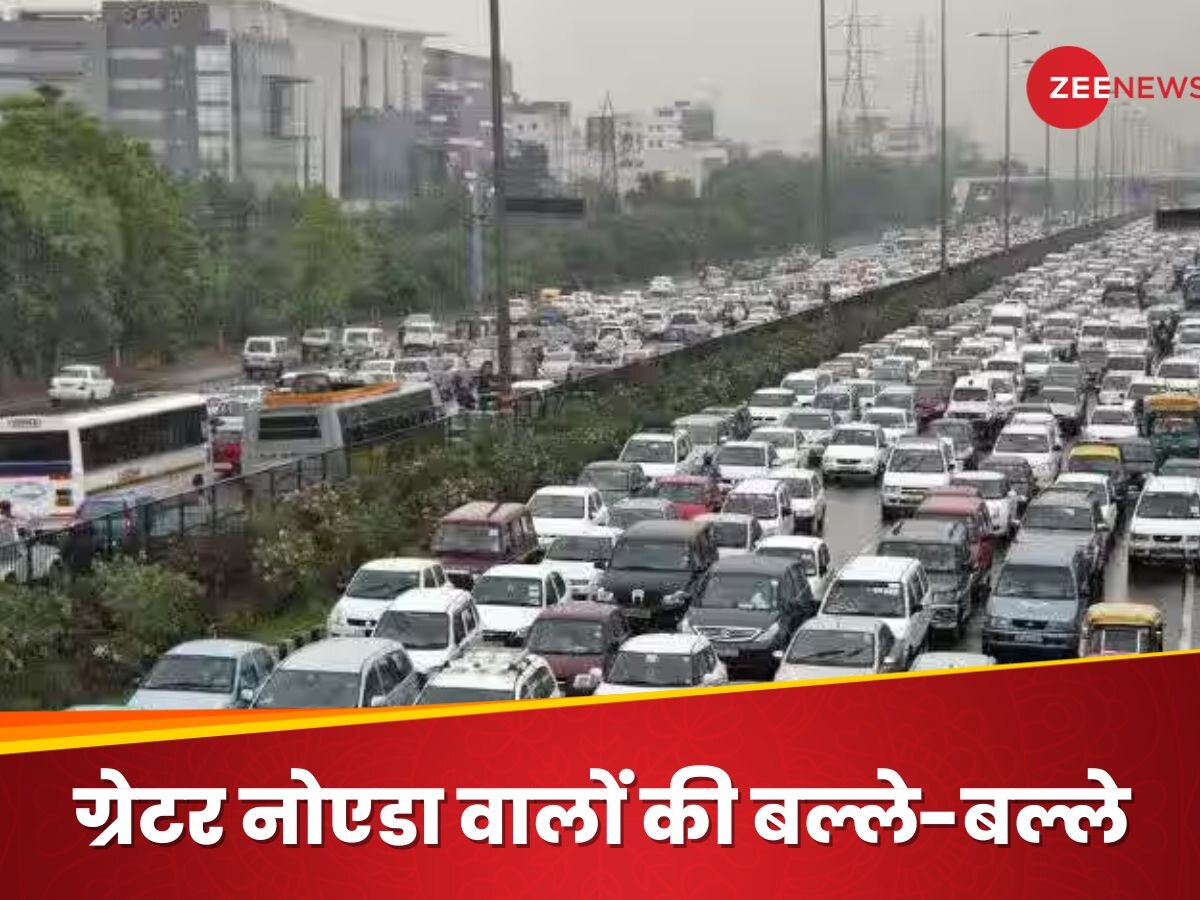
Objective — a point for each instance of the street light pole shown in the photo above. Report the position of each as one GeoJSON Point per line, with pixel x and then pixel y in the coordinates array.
{"type": "Point", "coordinates": [944, 163]}
{"type": "Point", "coordinates": [826, 226]}
{"type": "Point", "coordinates": [1096, 170]}
{"type": "Point", "coordinates": [1112, 161]}
{"type": "Point", "coordinates": [499, 164]}
{"type": "Point", "coordinates": [1007, 36]}
{"type": "Point", "coordinates": [1046, 200]}
{"type": "Point", "coordinates": [1078, 186]}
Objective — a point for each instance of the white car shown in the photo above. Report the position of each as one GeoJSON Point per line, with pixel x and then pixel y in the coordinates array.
{"type": "Point", "coordinates": [510, 597]}
{"type": "Point", "coordinates": [372, 589]}
{"type": "Point", "coordinates": [811, 552]}
{"type": "Point", "coordinates": [806, 385]}
{"type": "Point", "coordinates": [998, 495]}
{"type": "Point", "coordinates": [1166, 521]}
{"type": "Point", "coordinates": [914, 466]}
{"type": "Point", "coordinates": [808, 497]}
{"type": "Point", "coordinates": [342, 673]}
{"type": "Point", "coordinates": [380, 371]}
{"type": "Point", "coordinates": [789, 443]}
{"type": "Point", "coordinates": [563, 510]}
{"type": "Point", "coordinates": [487, 674]}
{"type": "Point", "coordinates": [770, 405]}
{"type": "Point", "coordinates": [894, 589]}
{"type": "Point", "coordinates": [80, 383]}
{"type": "Point", "coordinates": [205, 674]}
{"type": "Point", "coordinates": [839, 647]}
{"type": "Point", "coordinates": [1035, 362]}
{"type": "Point", "coordinates": [738, 460]}
{"type": "Point", "coordinates": [736, 534]}
{"type": "Point", "coordinates": [855, 450]}
{"type": "Point", "coordinates": [435, 625]}
{"type": "Point", "coordinates": [664, 662]}
{"type": "Point", "coordinates": [577, 558]}
{"type": "Point", "coordinates": [896, 423]}
{"type": "Point", "coordinates": [1114, 388]}
{"type": "Point", "coordinates": [816, 428]}
{"type": "Point", "coordinates": [768, 500]}
{"type": "Point", "coordinates": [945, 661]}
{"type": "Point", "coordinates": [973, 399]}
{"type": "Point", "coordinates": [1180, 373]}
{"type": "Point", "coordinates": [1111, 423]}
{"type": "Point", "coordinates": [658, 454]}
{"type": "Point", "coordinates": [1036, 445]}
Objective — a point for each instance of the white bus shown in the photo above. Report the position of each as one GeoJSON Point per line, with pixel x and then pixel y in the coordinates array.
{"type": "Point", "coordinates": [50, 464]}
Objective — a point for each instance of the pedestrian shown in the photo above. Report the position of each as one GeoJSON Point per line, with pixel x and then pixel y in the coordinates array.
{"type": "Point", "coordinates": [20, 525]}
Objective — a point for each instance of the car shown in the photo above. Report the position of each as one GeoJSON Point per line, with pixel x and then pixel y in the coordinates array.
{"type": "Point", "coordinates": [342, 673]}
{"type": "Point", "coordinates": [1111, 423]}
{"type": "Point", "coordinates": [956, 584]}
{"type": "Point", "coordinates": [1036, 444]}
{"type": "Point", "coordinates": [268, 355]}
{"type": "Point", "coordinates": [739, 460]}
{"type": "Point", "coordinates": [815, 427]}
{"type": "Point", "coordinates": [1071, 518]}
{"type": "Point", "coordinates": [1103, 459]}
{"type": "Point", "coordinates": [896, 423]}
{"type": "Point", "coordinates": [789, 443]}
{"type": "Point", "coordinates": [658, 662]}
{"type": "Point", "coordinates": [656, 569]}
{"type": "Point", "coordinates": [435, 625]}
{"type": "Point", "coordinates": [1000, 497]}
{"type": "Point", "coordinates": [962, 504]}
{"type": "Point", "coordinates": [945, 661]}
{"type": "Point", "coordinates": [561, 510]}
{"type": "Point", "coordinates": [488, 675]}
{"type": "Point", "coordinates": [1177, 466]}
{"type": "Point", "coordinates": [767, 406]}
{"type": "Point", "coordinates": [1067, 404]}
{"type": "Point", "coordinates": [481, 534]}
{"type": "Point", "coordinates": [749, 607]}
{"type": "Point", "coordinates": [614, 480]}
{"type": "Point", "coordinates": [1165, 526]}
{"type": "Point", "coordinates": [1140, 460]}
{"type": "Point", "coordinates": [1114, 388]}
{"type": "Point", "coordinates": [627, 513]}
{"type": "Point", "coordinates": [1180, 373]}
{"type": "Point", "coordinates": [706, 432]}
{"type": "Point", "coordinates": [806, 385]}
{"type": "Point", "coordinates": [510, 597]}
{"type": "Point", "coordinates": [658, 454]}
{"type": "Point", "coordinates": [359, 343]}
{"type": "Point", "coordinates": [841, 401]}
{"type": "Point", "coordinates": [213, 673]}
{"type": "Point", "coordinates": [808, 498]}
{"type": "Point", "coordinates": [1038, 602]}
{"type": "Point", "coordinates": [839, 647]}
{"type": "Point", "coordinates": [1098, 488]}
{"type": "Point", "coordinates": [76, 382]}
{"type": "Point", "coordinates": [894, 590]}
{"type": "Point", "coordinates": [736, 534]}
{"type": "Point", "coordinates": [579, 557]}
{"type": "Point", "coordinates": [579, 640]}
{"type": "Point", "coordinates": [767, 499]}
{"type": "Point", "coordinates": [858, 450]}
{"type": "Point", "coordinates": [375, 585]}
{"type": "Point", "coordinates": [318, 344]}
{"type": "Point", "coordinates": [693, 495]}
{"type": "Point", "coordinates": [914, 466]}
{"type": "Point", "coordinates": [962, 437]}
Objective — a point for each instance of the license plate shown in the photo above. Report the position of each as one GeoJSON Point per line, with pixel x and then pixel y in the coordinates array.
{"type": "Point", "coordinates": [637, 612]}
{"type": "Point", "coordinates": [727, 652]}
{"type": "Point", "coordinates": [1027, 638]}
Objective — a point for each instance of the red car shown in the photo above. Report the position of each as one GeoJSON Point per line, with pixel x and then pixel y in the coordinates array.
{"type": "Point", "coordinates": [578, 638]}
{"type": "Point", "coordinates": [693, 495]}
{"type": "Point", "coordinates": [963, 504]}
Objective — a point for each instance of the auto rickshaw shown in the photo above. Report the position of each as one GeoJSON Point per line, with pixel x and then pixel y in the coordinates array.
{"type": "Point", "coordinates": [1114, 629]}
{"type": "Point", "coordinates": [1172, 422]}
{"type": "Point", "coordinates": [1101, 459]}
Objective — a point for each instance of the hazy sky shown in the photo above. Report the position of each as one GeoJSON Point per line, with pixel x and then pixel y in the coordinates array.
{"type": "Point", "coordinates": [758, 58]}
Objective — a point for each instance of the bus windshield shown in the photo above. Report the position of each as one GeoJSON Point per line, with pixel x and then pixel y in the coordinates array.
{"type": "Point", "coordinates": [34, 452]}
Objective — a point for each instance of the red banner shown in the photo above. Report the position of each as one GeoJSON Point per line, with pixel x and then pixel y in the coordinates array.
{"type": "Point", "coordinates": [1036, 756]}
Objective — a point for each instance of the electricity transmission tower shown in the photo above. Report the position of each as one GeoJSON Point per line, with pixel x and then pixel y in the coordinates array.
{"type": "Point", "coordinates": [857, 123]}
{"type": "Point", "coordinates": [610, 176]}
{"type": "Point", "coordinates": [920, 132]}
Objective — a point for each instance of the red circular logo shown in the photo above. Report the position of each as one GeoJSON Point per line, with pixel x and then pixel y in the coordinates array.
{"type": "Point", "coordinates": [1068, 87]}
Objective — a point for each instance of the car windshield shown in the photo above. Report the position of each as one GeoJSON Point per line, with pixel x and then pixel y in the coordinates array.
{"type": "Point", "coordinates": [781, 439]}
{"type": "Point", "coordinates": [916, 461]}
{"type": "Point", "coordinates": [460, 537]}
{"type": "Point", "coordinates": [75, 372]}
{"type": "Point", "coordinates": [1116, 382]}
{"type": "Point", "coordinates": [415, 630]}
{"type": "Point", "coordinates": [805, 387]}
{"type": "Point", "coordinates": [649, 451]}
{"type": "Point", "coordinates": [802, 488]}
{"type": "Point", "coordinates": [556, 506]}
{"type": "Point", "coordinates": [1058, 334]}
{"type": "Point", "coordinates": [809, 421]}
{"type": "Point", "coordinates": [1098, 465]}
{"type": "Point", "coordinates": [1102, 416]}
{"type": "Point", "coordinates": [652, 669]}
{"type": "Point", "coordinates": [740, 591]}
{"type": "Point", "coordinates": [1058, 395]}
{"type": "Point", "coordinates": [886, 418]}
{"type": "Point", "coordinates": [755, 457]}
{"type": "Point", "coordinates": [499, 590]}
{"type": "Point", "coordinates": [580, 549]}
{"type": "Point", "coordinates": [838, 401]}
{"type": "Point", "coordinates": [934, 557]}
{"type": "Point", "coordinates": [1032, 583]}
{"type": "Point", "coordinates": [1119, 639]}
{"type": "Point", "coordinates": [378, 584]}
{"type": "Point", "coordinates": [185, 672]}
{"type": "Point", "coordinates": [1137, 451]}
{"type": "Point", "coordinates": [658, 556]}
{"type": "Point", "coordinates": [842, 649]}
{"type": "Point", "coordinates": [569, 637]}
{"type": "Point", "coordinates": [309, 689]}
{"type": "Point", "coordinates": [1170, 424]}
{"type": "Point", "coordinates": [894, 400]}
{"type": "Point", "coordinates": [682, 492]}
{"type": "Point", "coordinates": [703, 434]}
{"type": "Point", "coordinates": [970, 395]}
{"type": "Point", "coordinates": [1177, 370]}
{"type": "Point", "coordinates": [773, 401]}
{"type": "Point", "coordinates": [258, 347]}
{"type": "Point", "coordinates": [1022, 442]}
{"type": "Point", "coordinates": [854, 437]}
{"type": "Point", "coordinates": [1003, 365]}
{"type": "Point", "coordinates": [605, 478]}
{"type": "Point", "coordinates": [989, 488]}
{"type": "Point", "coordinates": [1161, 505]}
{"type": "Point", "coordinates": [761, 506]}
{"type": "Point", "coordinates": [880, 599]}
{"type": "Point", "coordinates": [435, 694]}
{"type": "Point", "coordinates": [1058, 517]}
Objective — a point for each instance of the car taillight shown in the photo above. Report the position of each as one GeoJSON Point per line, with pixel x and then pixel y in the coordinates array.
{"type": "Point", "coordinates": [128, 522]}
{"type": "Point", "coordinates": [64, 497]}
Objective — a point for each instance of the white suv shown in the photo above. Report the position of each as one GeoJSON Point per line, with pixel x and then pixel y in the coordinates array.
{"type": "Point", "coordinates": [484, 674]}
{"type": "Point", "coordinates": [856, 450]}
{"type": "Point", "coordinates": [435, 625]}
{"type": "Point", "coordinates": [1166, 521]}
{"type": "Point", "coordinates": [658, 454]}
{"type": "Point", "coordinates": [893, 589]}
{"type": "Point", "coordinates": [914, 466]}
{"type": "Point", "coordinates": [1036, 444]}
{"type": "Point", "coordinates": [974, 400]}
{"type": "Point", "coordinates": [374, 586]}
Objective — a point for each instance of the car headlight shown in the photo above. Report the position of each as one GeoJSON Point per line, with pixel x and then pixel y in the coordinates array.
{"type": "Point", "coordinates": [605, 596]}
{"type": "Point", "coordinates": [676, 599]}
{"type": "Point", "coordinates": [999, 623]}
{"type": "Point", "coordinates": [769, 633]}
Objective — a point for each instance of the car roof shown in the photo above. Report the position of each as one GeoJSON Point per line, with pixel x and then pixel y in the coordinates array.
{"type": "Point", "coordinates": [952, 503]}
{"type": "Point", "coordinates": [485, 511]}
{"type": "Point", "coordinates": [792, 541]}
{"type": "Point", "coordinates": [653, 436]}
{"type": "Point", "coordinates": [439, 599]}
{"type": "Point", "coordinates": [214, 647]}
{"type": "Point", "coordinates": [843, 623]}
{"type": "Point", "coordinates": [517, 570]}
{"type": "Point", "coordinates": [791, 472]}
{"type": "Point", "coordinates": [1042, 552]}
{"type": "Point", "coordinates": [756, 486]}
{"type": "Point", "coordinates": [672, 529]}
{"type": "Point", "coordinates": [339, 654]}
{"type": "Point", "coordinates": [398, 564]}
{"type": "Point", "coordinates": [1171, 484]}
{"type": "Point", "coordinates": [750, 564]}
{"type": "Point", "coordinates": [657, 503]}
{"type": "Point", "coordinates": [563, 490]}
{"type": "Point", "coordinates": [922, 531]}
{"type": "Point", "coordinates": [873, 568]}
{"type": "Point", "coordinates": [581, 610]}
{"type": "Point", "coordinates": [742, 519]}
{"type": "Point", "coordinates": [681, 643]}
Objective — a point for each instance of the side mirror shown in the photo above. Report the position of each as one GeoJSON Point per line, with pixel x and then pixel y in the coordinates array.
{"type": "Point", "coordinates": [601, 564]}
{"type": "Point", "coordinates": [710, 679]}
{"type": "Point", "coordinates": [377, 701]}
{"type": "Point", "coordinates": [889, 662]}
{"type": "Point", "coordinates": [246, 695]}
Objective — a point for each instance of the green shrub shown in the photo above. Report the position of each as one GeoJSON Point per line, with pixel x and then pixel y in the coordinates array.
{"type": "Point", "coordinates": [147, 606]}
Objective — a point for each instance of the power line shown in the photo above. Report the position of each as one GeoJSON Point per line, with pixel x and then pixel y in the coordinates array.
{"type": "Point", "coordinates": [857, 123]}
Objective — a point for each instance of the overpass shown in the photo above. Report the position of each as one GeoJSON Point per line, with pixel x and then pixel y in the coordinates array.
{"type": "Point", "coordinates": [974, 197]}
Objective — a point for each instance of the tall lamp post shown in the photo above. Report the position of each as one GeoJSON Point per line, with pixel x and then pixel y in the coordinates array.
{"type": "Point", "coordinates": [499, 185]}
{"type": "Point", "coordinates": [1007, 35]}
{"type": "Point", "coordinates": [826, 247]}
{"type": "Point", "coordinates": [1046, 196]}
{"type": "Point", "coordinates": [944, 163]}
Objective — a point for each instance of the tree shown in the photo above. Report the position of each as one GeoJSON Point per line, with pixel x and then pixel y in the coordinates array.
{"type": "Point", "coordinates": [322, 252]}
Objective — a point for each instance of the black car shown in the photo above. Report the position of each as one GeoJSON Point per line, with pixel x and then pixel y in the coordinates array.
{"type": "Point", "coordinates": [656, 571]}
{"type": "Point", "coordinates": [1070, 517]}
{"type": "Point", "coordinates": [615, 480]}
{"type": "Point", "coordinates": [1019, 472]}
{"type": "Point", "coordinates": [942, 547]}
{"type": "Point", "coordinates": [1139, 462]}
{"type": "Point", "coordinates": [750, 606]}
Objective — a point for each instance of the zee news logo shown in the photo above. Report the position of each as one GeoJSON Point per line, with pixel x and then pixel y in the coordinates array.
{"type": "Point", "coordinates": [1069, 87]}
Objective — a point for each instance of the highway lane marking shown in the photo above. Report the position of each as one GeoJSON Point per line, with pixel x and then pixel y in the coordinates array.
{"type": "Point", "coordinates": [1189, 609]}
